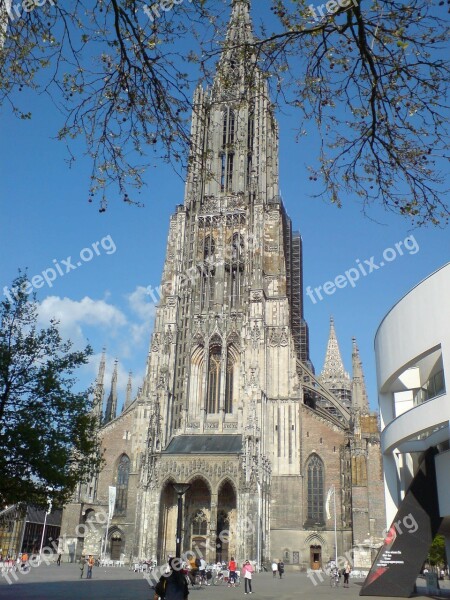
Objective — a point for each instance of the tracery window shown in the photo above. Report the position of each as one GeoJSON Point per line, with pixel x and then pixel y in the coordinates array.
{"type": "Point", "coordinates": [235, 269]}
{"type": "Point", "coordinates": [214, 377]}
{"type": "Point", "coordinates": [208, 273]}
{"type": "Point", "coordinates": [123, 474]}
{"type": "Point", "coordinates": [250, 144]}
{"type": "Point", "coordinates": [229, 386]}
{"type": "Point", "coordinates": [227, 152]}
{"type": "Point", "coordinates": [315, 489]}
{"type": "Point", "coordinates": [199, 524]}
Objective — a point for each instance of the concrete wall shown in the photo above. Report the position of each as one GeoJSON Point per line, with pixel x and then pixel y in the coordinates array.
{"type": "Point", "coordinates": [413, 333]}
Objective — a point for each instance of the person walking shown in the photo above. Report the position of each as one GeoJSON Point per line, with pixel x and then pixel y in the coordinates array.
{"type": "Point", "coordinates": [274, 569]}
{"type": "Point", "coordinates": [24, 560]}
{"type": "Point", "coordinates": [232, 567]}
{"type": "Point", "coordinates": [58, 562]}
{"type": "Point", "coordinates": [82, 565]}
{"type": "Point", "coordinates": [90, 564]}
{"type": "Point", "coordinates": [280, 568]}
{"type": "Point", "coordinates": [202, 571]}
{"type": "Point", "coordinates": [173, 586]}
{"type": "Point", "coordinates": [247, 571]}
{"type": "Point", "coordinates": [347, 571]}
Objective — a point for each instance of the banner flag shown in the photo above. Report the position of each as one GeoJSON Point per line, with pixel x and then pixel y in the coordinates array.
{"type": "Point", "coordinates": [328, 500]}
{"type": "Point", "coordinates": [112, 500]}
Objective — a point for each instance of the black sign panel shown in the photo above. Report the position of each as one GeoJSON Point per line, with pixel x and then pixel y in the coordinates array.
{"type": "Point", "coordinates": [398, 562]}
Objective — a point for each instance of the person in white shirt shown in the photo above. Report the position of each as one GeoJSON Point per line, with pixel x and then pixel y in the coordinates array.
{"type": "Point", "coordinates": [274, 568]}
{"type": "Point", "coordinates": [202, 570]}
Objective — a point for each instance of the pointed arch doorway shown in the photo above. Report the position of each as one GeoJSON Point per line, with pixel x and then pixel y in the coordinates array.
{"type": "Point", "coordinates": [315, 557]}
{"type": "Point", "coordinates": [226, 522]}
{"type": "Point", "coordinates": [167, 523]}
{"type": "Point", "coordinates": [197, 518]}
{"type": "Point", "coordinates": [116, 539]}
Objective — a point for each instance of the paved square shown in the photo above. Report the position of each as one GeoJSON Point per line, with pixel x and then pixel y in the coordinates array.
{"type": "Point", "coordinates": [49, 582]}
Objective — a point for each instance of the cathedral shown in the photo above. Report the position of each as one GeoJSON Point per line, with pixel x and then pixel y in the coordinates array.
{"type": "Point", "coordinates": [230, 402]}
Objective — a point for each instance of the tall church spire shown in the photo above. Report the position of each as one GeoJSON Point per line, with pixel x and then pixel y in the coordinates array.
{"type": "Point", "coordinates": [236, 69]}
{"type": "Point", "coordinates": [359, 394]}
{"type": "Point", "coordinates": [240, 28]}
{"type": "Point", "coordinates": [333, 375]}
{"type": "Point", "coordinates": [333, 367]}
{"type": "Point", "coordinates": [111, 406]}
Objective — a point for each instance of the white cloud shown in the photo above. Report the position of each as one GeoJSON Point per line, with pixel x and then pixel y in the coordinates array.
{"type": "Point", "coordinates": [126, 338]}
{"type": "Point", "coordinates": [73, 314]}
{"type": "Point", "coordinates": [139, 302]}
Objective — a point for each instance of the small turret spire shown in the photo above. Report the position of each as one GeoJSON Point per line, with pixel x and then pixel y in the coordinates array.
{"type": "Point", "coordinates": [129, 388]}
{"type": "Point", "coordinates": [111, 405]}
{"type": "Point", "coordinates": [100, 387]}
{"type": "Point", "coordinates": [359, 393]}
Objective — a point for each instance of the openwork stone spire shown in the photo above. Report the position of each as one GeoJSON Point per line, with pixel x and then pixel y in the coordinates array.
{"type": "Point", "coordinates": [333, 368]}
{"type": "Point", "coordinates": [236, 71]}
{"type": "Point", "coordinates": [240, 28]}
{"type": "Point", "coordinates": [333, 375]}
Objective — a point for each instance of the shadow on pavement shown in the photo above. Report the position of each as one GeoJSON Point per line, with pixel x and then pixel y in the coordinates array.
{"type": "Point", "coordinates": [78, 590]}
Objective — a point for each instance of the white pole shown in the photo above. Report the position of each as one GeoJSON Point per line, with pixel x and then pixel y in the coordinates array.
{"type": "Point", "coordinates": [111, 503]}
{"type": "Point", "coordinates": [335, 530]}
{"type": "Point", "coordinates": [258, 543]}
{"type": "Point", "coordinates": [47, 512]}
{"type": "Point", "coordinates": [106, 538]}
{"type": "Point", "coordinates": [42, 538]}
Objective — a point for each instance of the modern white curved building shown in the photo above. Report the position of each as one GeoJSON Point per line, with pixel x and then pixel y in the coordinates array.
{"type": "Point", "coordinates": [412, 347]}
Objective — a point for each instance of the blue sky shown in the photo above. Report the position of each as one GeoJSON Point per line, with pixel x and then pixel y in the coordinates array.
{"type": "Point", "coordinates": [45, 216]}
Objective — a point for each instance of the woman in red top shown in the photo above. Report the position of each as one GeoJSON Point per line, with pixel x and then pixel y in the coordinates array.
{"type": "Point", "coordinates": [232, 567]}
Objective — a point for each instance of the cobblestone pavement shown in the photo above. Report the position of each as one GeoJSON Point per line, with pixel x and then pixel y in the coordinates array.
{"type": "Point", "coordinates": [64, 583]}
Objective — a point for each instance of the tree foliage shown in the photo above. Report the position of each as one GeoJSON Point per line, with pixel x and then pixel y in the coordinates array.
{"type": "Point", "coordinates": [436, 555]}
{"type": "Point", "coordinates": [47, 431]}
{"type": "Point", "coordinates": [368, 79]}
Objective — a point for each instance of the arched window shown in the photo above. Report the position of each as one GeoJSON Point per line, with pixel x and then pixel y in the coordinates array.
{"type": "Point", "coordinates": [225, 128]}
{"type": "Point", "coordinates": [227, 152]}
{"type": "Point", "coordinates": [236, 269]}
{"type": "Point", "coordinates": [123, 474]}
{"type": "Point", "coordinates": [315, 490]}
{"type": "Point", "coordinates": [231, 128]}
{"type": "Point", "coordinates": [250, 130]}
{"type": "Point", "coordinates": [212, 401]}
{"type": "Point", "coordinates": [229, 386]}
{"type": "Point", "coordinates": [223, 159]}
{"type": "Point", "coordinates": [209, 247]}
{"type": "Point", "coordinates": [230, 166]}
{"type": "Point", "coordinates": [199, 524]}
{"type": "Point", "coordinates": [250, 143]}
{"type": "Point", "coordinates": [208, 273]}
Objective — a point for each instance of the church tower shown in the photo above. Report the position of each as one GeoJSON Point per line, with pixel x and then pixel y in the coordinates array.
{"type": "Point", "coordinates": [221, 382]}
{"type": "Point", "coordinates": [230, 404]}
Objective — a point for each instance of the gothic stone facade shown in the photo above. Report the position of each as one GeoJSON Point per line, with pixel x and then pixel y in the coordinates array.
{"type": "Point", "coordinates": [230, 403]}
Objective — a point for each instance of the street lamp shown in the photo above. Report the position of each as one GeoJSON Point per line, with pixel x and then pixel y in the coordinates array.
{"type": "Point", "coordinates": [181, 489]}
{"type": "Point", "coordinates": [48, 511]}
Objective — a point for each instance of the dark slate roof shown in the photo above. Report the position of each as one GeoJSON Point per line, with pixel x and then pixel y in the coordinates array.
{"type": "Point", "coordinates": [37, 515]}
{"type": "Point", "coordinates": [205, 444]}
